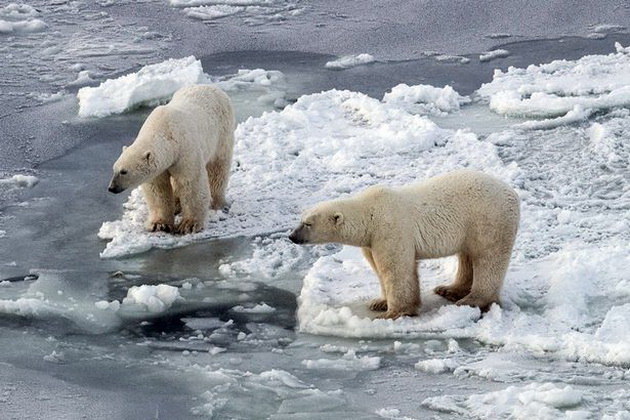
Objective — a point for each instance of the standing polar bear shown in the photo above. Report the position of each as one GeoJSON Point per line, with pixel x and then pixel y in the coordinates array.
{"type": "Point", "coordinates": [182, 158]}
{"type": "Point", "coordinates": [464, 212]}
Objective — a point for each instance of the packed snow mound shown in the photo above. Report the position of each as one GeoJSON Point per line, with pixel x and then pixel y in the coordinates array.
{"type": "Point", "coordinates": [151, 85]}
{"type": "Point", "coordinates": [561, 87]}
{"type": "Point", "coordinates": [425, 99]}
{"type": "Point", "coordinates": [323, 146]}
{"type": "Point", "coordinates": [349, 61]}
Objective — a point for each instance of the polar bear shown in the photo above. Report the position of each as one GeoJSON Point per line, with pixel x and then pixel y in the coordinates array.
{"type": "Point", "coordinates": [181, 158]}
{"type": "Point", "coordinates": [465, 212]}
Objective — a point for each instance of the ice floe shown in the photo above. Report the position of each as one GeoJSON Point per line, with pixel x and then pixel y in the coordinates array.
{"type": "Point", "coordinates": [562, 88]}
{"type": "Point", "coordinates": [150, 85]}
{"type": "Point", "coordinates": [348, 61]}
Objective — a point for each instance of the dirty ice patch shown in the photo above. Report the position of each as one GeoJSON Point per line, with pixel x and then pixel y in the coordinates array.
{"type": "Point", "coordinates": [349, 61]}
{"type": "Point", "coordinates": [594, 82]}
{"type": "Point", "coordinates": [324, 146]}
{"type": "Point", "coordinates": [540, 401]}
{"type": "Point", "coordinates": [426, 99]}
{"type": "Point", "coordinates": [20, 18]}
{"type": "Point", "coordinates": [150, 85]}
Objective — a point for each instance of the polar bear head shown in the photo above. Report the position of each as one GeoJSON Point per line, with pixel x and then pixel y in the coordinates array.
{"type": "Point", "coordinates": [344, 221]}
{"type": "Point", "coordinates": [320, 224]}
{"type": "Point", "coordinates": [135, 166]}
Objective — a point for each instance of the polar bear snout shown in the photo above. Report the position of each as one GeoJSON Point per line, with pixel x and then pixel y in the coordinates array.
{"type": "Point", "coordinates": [115, 188]}
{"type": "Point", "coordinates": [298, 236]}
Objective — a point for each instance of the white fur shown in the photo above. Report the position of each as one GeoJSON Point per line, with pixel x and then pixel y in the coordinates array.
{"type": "Point", "coordinates": [467, 213]}
{"type": "Point", "coordinates": [181, 157]}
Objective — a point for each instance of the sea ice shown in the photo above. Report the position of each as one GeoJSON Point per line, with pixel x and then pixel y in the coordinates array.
{"type": "Point", "coordinates": [150, 85]}
{"type": "Point", "coordinates": [424, 99]}
{"type": "Point", "coordinates": [348, 61]}
{"type": "Point", "coordinates": [592, 83]}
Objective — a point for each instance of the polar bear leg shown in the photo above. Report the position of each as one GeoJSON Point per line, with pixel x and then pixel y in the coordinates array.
{"type": "Point", "coordinates": [194, 198]}
{"type": "Point", "coordinates": [398, 271]}
{"type": "Point", "coordinates": [378, 304]}
{"type": "Point", "coordinates": [161, 202]}
{"type": "Point", "coordinates": [488, 275]}
{"type": "Point", "coordinates": [219, 173]}
{"type": "Point", "coordinates": [463, 281]}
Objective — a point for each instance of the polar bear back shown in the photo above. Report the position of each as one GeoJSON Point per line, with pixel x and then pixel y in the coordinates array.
{"type": "Point", "coordinates": [460, 211]}
{"type": "Point", "coordinates": [197, 117]}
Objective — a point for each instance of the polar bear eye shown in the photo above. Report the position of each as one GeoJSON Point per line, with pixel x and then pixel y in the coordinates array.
{"type": "Point", "coordinates": [308, 224]}
{"type": "Point", "coordinates": [123, 172]}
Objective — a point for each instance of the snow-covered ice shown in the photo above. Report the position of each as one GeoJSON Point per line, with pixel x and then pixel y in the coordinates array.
{"type": "Point", "coordinates": [149, 86]}
{"type": "Point", "coordinates": [596, 82]}
{"type": "Point", "coordinates": [424, 99]}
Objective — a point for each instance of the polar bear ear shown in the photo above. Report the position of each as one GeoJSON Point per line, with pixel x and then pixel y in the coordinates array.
{"type": "Point", "coordinates": [338, 218]}
{"type": "Point", "coordinates": [124, 148]}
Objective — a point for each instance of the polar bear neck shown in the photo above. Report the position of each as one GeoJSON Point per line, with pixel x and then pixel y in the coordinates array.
{"type": "Point", "coordinates": [356, 227]}
{"type": "Point", "coordinates": [156, 137]}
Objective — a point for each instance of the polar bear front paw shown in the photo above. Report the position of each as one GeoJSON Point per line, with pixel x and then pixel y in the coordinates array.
{"type": "Point", "coordinates": [160, 226]}
{"type": "Point", "coordinates": [187, 226]}
{"type": "Point", "coordinates": [378, 305]}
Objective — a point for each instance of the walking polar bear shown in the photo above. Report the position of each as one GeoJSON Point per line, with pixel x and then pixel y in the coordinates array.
{"type": "Point", "coordinates": [467, 213]}
{"type": "Point", "coordinates": [181, 158]}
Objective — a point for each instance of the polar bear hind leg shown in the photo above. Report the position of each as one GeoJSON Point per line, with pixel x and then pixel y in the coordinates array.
{"type": "Point", "coordinates": [488, 275]}
{"type": "Point", "coordinates": [463, 281]}
{"type": "Point", "coordinates": [219, 173]}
